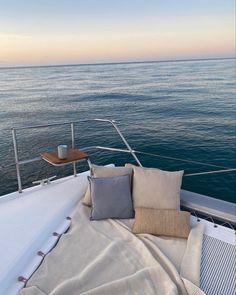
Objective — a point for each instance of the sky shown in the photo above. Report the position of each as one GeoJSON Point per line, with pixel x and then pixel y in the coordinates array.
{"type": "Point", "coordinates": [50, 32]}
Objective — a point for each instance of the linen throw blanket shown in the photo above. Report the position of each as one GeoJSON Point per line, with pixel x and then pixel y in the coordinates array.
{"type": "Point", "coordinates": [104, 257]}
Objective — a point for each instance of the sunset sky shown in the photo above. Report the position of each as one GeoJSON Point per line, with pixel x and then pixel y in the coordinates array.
{"type": "Point", "coordinates": [91, 31]}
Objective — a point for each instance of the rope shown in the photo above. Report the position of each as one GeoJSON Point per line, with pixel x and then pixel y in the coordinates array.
{"type": "Point", "coordinates": [210, 172]}
{"type": "Point", "coordinates": [183, 160]}
{"type": "Point", "coordinates": [213, 221]}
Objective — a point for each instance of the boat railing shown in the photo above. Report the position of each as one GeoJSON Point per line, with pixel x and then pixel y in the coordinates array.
{"type": "Point", "coordinates": [19, 162]}
{"type": "Point", "coordinates": [196, 204]}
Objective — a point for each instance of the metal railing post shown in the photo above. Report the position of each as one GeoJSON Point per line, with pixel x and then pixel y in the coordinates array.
{"type": "Point", "coordinates": [126, 143]}
{"type": "Point", "coordinates": [112, 122]}
{"type": "Point", "coordinates": [17, 160]}
{"type": "Point", "coordinates": [73, 145]}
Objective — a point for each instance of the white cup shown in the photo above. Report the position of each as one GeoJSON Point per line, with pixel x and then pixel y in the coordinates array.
{"type": "Point", "coordinates": [62, 151]}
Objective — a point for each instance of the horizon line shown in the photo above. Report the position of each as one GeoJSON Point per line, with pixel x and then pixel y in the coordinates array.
{"type": "Point", "coordinates": [115, 63]}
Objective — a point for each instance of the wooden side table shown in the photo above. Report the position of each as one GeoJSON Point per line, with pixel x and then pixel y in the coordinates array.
{"type": "Point", "coordinates": [73, 156]}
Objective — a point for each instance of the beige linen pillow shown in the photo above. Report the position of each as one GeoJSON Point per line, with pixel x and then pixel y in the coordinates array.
{"type": "Point", "coordinates": [172, 223]}
{"type": "Point", "coordinates": [102, 171]}
{"type": "Point", "coordinates": [155, 188]}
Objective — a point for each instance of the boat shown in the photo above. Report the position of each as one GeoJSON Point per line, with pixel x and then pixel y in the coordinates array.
{"type": "Point", "coordinates": [33, 220]}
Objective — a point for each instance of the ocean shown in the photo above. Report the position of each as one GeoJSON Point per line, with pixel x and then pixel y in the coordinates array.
{"type": "Point", "coordinates": [180, 109]}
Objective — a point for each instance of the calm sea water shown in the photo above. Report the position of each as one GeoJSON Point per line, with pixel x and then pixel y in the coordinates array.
{"type": "Point", "coordinates": [183, 109]}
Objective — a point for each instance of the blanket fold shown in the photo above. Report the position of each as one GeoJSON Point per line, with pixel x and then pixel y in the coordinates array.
{"type": "Point", "coordinates": [105, 257]}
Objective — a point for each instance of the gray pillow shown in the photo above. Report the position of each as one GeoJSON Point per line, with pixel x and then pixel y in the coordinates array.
{"type": "Point", "coordinates": [111, 197]}
{"type": "Point", "coordinates": [105, 171]}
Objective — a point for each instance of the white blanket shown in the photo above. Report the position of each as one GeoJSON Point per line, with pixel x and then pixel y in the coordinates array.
{"type": "Point", "coordinates": [104, 257]}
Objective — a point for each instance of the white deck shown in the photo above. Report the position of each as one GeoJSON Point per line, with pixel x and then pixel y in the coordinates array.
{"type": "Point", "coordinates": [27, 222]}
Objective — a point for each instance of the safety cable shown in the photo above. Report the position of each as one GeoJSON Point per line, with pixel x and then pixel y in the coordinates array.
{"type": "Point", "coordinates": [182, 160]}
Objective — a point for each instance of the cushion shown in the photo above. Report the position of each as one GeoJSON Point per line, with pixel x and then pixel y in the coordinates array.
{"type": "Point", "coordinates": [155, 188]}
{"type": "Point", "coordinates": [111, 197]}
{"type": "Point", "coordinates": [173, 223]}
{"type": "Point", "coordinates": [101, 171]}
